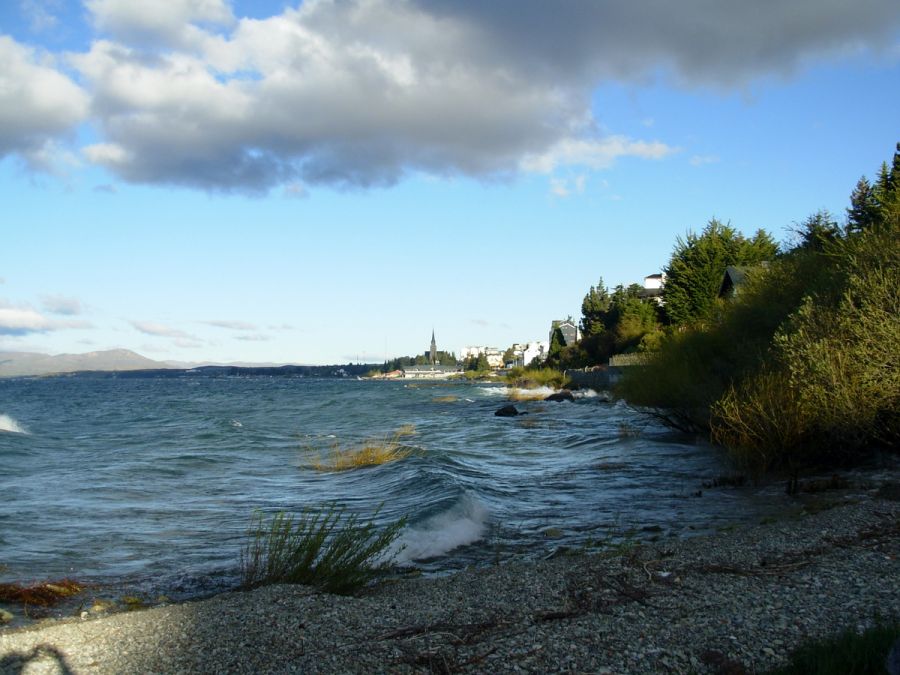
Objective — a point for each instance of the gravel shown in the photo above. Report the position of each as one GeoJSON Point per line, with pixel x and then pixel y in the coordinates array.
{"type": "Point", "coordinates": [734, 602]}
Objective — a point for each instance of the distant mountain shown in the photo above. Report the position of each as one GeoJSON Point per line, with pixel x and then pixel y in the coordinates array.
{"type": "Point", "coordinates": [18, 364]}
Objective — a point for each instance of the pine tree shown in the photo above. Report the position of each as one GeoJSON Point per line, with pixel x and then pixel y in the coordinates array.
{"type": "Point", "coordinates": [593, 308]}
{"type": "Point", "coordinates": [695, 271]}
{"type": "Point", "coordinates": [863, 211]}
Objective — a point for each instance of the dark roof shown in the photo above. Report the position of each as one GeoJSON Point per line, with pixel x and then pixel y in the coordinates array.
{"type": "Point", "coordinates": [734, 276]}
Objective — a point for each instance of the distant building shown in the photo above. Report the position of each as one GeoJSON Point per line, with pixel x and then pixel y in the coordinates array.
{"type": "Point", "coordinates": [535, 350]}
{"type": "Point", "coordinates": [653, 288]}
{"type": "Point", "coordinates": [568, 328]}
{"type": "Point", "coordinates": [735, 277]}
{"type": "Point", "coordinates": [430, 372]}
{"type": "Point", "coordinates": [493, 355]}
{"type": "Point", "coordinates": [432, 355]}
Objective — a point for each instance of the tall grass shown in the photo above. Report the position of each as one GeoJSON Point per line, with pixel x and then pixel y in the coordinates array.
{"type": "Point", "coordinates": [328, 549]}
{"type": "Point", "coordinates": [529, 378]}
{"type": "Point", "coordinates": [372, 452]}
{"type": "Point", "coordinates": [848, 653]}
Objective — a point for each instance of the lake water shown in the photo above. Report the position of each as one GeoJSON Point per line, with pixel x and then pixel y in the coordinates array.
{"type": "Point", "coordinates": [150, 483]}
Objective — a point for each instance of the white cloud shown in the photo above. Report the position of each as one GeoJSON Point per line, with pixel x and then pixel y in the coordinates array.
{"type": "Point", "coordinates": [255, 337]}
{"type": "Point", "coordinates": [60, 304]}
{"type": "Point", "coordinates": [700, 160]}
{"type": "Point", "coordinates": [361, 93]}
{"type": "Point", "coordinates": [594, 154]}
{"type": "Point", "coordinates": [170, 23]}
{"type": "Point", "coordinates": [40, 14]}
{"type": "Point", "coordinates": [21, 321]}
{"type": "Point", "coordinates": [159, 330]}
{"type": "Point", "coordinates": [38, 105]}
{"type": "Point", "coordinates": [231, 325]}
{"type": "Point", "coordinates": [566, 187]}
{"type": "Point", "coordinates": [24, 320]}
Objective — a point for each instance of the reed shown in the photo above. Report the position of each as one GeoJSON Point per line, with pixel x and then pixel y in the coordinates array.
{"type": "Point", "coordinates": [372, 452]}
{"type": "Point", "coordinates": [328, 549]}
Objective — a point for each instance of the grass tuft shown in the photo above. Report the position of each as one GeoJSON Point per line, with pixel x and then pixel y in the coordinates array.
{"type": "Point", "coordinates": [327, 549]}
{"type": "Point", "coordinates": [848, 653]}
{"type": "Point", "coordinates": [372, 452]}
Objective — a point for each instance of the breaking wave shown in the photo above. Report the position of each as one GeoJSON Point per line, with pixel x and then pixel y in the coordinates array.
{"type": "Point", "coordinates": [9, 425]}
{"type": "Point", "coordinates": [464, 523]}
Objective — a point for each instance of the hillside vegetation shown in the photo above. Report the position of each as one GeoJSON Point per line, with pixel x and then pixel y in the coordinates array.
{"type": "Point", "coordinates": [802, 366]}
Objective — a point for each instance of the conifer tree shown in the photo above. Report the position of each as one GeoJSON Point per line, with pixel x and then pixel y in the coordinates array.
{"type": "Point", "coordinates": [695, 271]}
{"type": "Point", "coordinates": [863, 210]}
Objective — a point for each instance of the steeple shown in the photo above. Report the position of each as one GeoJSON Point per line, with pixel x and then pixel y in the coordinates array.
{"type": "Point", "coordinates": [433, 353]}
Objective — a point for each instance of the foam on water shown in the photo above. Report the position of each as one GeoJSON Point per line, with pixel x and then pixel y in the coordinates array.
{"type": "Point", "coordinates": [464, 523]}
{"type": "Point", "coordinates": [8, 424]}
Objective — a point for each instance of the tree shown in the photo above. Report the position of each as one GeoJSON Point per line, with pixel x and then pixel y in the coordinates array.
{"type": "Point", "coordinates": [509, 356]}
{"type": "Point", "coordinates": [695, 271]}
{"type": "Point", "coordinates": [863, 210]}
{"type": "Point", "coordinates": [593, 308]}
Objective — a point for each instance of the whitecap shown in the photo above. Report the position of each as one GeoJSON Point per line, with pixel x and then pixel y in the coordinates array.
{"type": "Point", "coordinates": [8, 424]}
{"type": "Point", "coordinates": [464, 523]}
{"type": "Point", "coordinates": [236, 424]}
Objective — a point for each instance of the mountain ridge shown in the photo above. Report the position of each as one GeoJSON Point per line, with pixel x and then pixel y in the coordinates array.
{"type": "Point", "coordinates": [27, 364]}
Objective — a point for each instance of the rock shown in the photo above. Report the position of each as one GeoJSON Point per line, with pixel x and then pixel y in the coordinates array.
{"type": "Point", "coordinates": [507, 411]}
{"type": "Point", "coordinates": [5, 617]}
{"type": "Point", "coordinates": [564, 395]}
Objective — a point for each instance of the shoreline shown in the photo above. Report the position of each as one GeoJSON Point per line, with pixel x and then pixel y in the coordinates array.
{"type": "Point", "coordinates": [748, 596]}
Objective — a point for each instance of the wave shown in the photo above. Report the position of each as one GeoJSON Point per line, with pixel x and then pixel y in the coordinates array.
{"type": "Point", "coordinates": [464, 523]}
{"type": "Point", "coordinates": [8, 424]}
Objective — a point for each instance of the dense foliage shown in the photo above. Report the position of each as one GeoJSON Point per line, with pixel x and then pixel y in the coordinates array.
{"type": "Point", "coordinates": [442, 358]}
{"type": "Point", "coordinates": [694, 274]}
{"type": "Point", "coordinates": [623, 321]}
{"type": "Point", "coordinates": [802, 366]}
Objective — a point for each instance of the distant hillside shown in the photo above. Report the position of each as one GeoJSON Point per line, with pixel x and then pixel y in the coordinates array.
{"type": "Point", "coordinates": [17, 364]}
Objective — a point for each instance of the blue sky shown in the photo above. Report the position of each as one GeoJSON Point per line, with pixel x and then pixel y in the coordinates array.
{"type": "Point", "coordinates": [328, 181]}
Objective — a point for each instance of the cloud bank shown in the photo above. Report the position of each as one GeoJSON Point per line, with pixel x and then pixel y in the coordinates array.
{"type": "Point", "coordinates": [23, 320]}
{"type": "Point", "coordinates": [361, 93]}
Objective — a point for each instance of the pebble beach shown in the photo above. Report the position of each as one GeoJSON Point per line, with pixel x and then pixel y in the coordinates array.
{"type": "Point", "coordinates": [738, 601]}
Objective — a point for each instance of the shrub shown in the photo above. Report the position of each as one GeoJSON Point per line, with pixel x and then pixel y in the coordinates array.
{"type": "Point", "coordinates": [762, 423]}
{"type": "Point", "coordinates": [327, 549]}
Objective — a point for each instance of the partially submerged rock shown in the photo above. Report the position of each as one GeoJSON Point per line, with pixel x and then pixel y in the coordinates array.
{"type": "Point", "coordinates": [507, 411]}
{"type": "Point", "coordinates": [564, 395]}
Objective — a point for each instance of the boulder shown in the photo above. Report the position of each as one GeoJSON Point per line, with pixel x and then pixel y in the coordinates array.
{"type": "Point", "coordinates": [507, 411]}
{"type": "Point", "coordinates": [564, 395]}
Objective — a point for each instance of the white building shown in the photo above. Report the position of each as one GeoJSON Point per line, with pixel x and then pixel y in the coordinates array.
{"type": "Point", "coordinates": [535, 350]}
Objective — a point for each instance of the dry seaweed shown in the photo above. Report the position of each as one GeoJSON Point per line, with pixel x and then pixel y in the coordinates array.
{"type": "Point", "coordinates": [44, 594]}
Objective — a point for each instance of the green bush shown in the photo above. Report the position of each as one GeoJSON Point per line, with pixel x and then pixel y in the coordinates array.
{"type": "Point", "coordinates": [327, 549]}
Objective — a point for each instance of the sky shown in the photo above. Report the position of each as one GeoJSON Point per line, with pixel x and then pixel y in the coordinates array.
{"type": "Point", "coordinates": [330, 181]}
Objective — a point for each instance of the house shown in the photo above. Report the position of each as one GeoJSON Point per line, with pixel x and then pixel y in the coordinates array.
{"type": "Point", "coordinates": [653, 288]}
{"type": "Point", "coordinates": [493, 355]}
{"type": "Point", "coordinates": [735, 277]}
{"type": "Point", "coordinates": [535, 350]}
{"type": "Point", "coordinates": [568, 328]}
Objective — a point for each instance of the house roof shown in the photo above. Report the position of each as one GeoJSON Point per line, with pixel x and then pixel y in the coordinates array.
{"type": "Point", "coordinates": [734, 276]}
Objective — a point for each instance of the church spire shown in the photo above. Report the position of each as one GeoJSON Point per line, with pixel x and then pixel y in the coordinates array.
{"type": "Point", "coordinates": [433, 353]}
